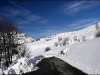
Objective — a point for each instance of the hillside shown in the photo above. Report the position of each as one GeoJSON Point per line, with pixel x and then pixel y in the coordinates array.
{"type": "Point", "coordinates": [23, 38]}
{"type": "Point", "coordinates": [78, 48]}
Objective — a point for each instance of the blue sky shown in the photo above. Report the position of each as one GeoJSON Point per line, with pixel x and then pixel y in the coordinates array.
{"type": "Point", "coordinates": [43, 18]}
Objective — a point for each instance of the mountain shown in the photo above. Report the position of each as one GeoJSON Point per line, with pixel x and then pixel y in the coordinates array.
{"type": "Point", "coordinates": [78, 48]}
{"type": "Point", "coordinates": [23, 38]}
{"type": "Point", "coordinates": [88, 32]}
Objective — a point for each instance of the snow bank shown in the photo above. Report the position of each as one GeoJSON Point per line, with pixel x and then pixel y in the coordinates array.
{"type": "Point", "coordinates": [85, 56]}
{"type": "Point", "coordinates": [1, 72]}
{"type": "Point", "coordinates": [23, 65]}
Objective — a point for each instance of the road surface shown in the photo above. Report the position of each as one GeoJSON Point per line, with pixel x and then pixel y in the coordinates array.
{"type": "Point", "coordinates": [55, 66]}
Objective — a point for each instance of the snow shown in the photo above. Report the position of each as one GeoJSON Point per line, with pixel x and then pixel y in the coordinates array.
{"type": "Point", "coordinates": [23, 65]}
{"type": "Point", "coordinates": [83, 55]}
{"type": "Point", "coordinates": [22, 38]}
{"type": "Point", "coordinates": [1, 72]}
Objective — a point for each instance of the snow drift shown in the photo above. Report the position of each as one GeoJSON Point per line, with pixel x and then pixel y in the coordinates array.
{"type": "Point", "coordinates": [85, 56]}
{"type": "Point", "coordinates": [23, 65]}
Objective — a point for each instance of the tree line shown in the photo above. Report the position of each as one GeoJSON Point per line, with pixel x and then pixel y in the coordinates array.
{"type": "Point", "coordinates": [8, 45]}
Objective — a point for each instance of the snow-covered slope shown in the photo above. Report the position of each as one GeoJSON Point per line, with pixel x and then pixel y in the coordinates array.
{"type": "Point", "coordinates": [81, 49]}
{"type": "Point", "coordinates": [23, 38]}
{"type": "Point", "coordinates": [88, 33]}
{"type": "Point", "coordinates": [85, 56]}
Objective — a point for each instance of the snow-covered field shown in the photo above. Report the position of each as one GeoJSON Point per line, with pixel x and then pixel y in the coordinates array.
{"type": "Point", "coordinates": [82, 52]}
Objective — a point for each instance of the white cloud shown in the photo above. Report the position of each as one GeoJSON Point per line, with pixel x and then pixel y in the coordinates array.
{"type": "Point", "coordinates": [74, 7]}
{"type": "Point", "coordinates": [77, 6]}
{"type": "Point", "coordinates": [33, 17]}
{"type": "Point", "coordinates": [82, 23]}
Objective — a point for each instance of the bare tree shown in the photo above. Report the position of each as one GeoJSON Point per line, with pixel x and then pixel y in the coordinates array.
{"type": "Point", "coordinates": [59, 39]}
{"type": "Point", "coordinates": [56, 44]}
{"type": "Point", "coordinates": [75, 38]}
{"type": "Point", "coordinates": [7, 31]}
{"type": "Point", "coordinates": [83, 38]}
{"type": "Point", "coordinates": [97, 33]}
{"type": "Point", "coordinates": [97, 26]}
{"type": "Point", "coordinates": [65, 41]}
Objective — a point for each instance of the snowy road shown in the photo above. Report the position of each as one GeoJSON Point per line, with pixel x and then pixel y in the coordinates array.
{"type": "Point", "coordinates": [55, 66]}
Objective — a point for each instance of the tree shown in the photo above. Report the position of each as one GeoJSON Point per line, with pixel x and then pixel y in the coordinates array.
{"type": "Point", "coordinates": [97, 26]}
{"type": "Point", "coordinates": [56, 44]}
{"type": "Point", "coordinates": [7, 42]}
{"type": "Point", "coordinates": [97, 33]}
{"type": "Point", "coordinates": [59, 39]}
{"type": "Point", "coordinates": [75, 38]}
{"type": "Point", "coordinates": [83, 38]}
{"type": "Point", "coordinates": [65, 41]}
